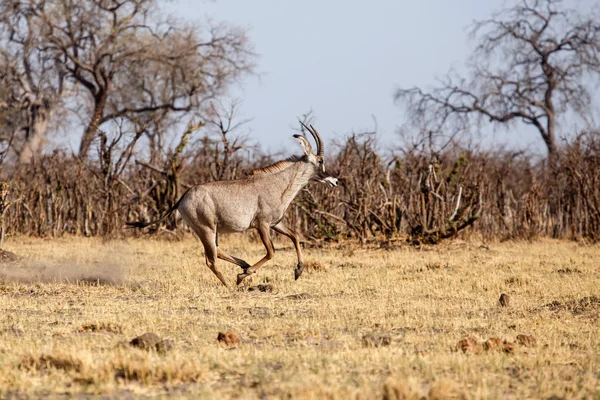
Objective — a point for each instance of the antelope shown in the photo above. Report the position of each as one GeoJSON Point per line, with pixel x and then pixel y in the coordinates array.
{"type": "Point", "coordinates": [257, 201]}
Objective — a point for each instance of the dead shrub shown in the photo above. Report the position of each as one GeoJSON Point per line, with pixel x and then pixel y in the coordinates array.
{"type": "Point", "coordinates": [424, 195]}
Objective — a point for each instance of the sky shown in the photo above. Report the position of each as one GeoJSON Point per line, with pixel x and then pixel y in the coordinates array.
{"type": "Point", "coordinates": [342, 59]}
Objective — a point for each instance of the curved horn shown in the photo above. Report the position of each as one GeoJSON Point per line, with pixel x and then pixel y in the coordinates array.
{"type": "Point", "coordinates": [321, 151]}
{"type": "Point", "coordinates": [317, 137]}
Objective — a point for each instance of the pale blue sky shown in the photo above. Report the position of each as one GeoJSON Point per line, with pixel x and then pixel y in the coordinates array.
{"type": "Point", "coordinates": [343, 59]}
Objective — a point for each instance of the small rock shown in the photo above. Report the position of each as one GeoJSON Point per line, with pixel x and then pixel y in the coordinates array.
{"type": "Point", "coordinates": [147, 341]}
{"type": "Point", "coordinates": [377, 339]}
{"type": "Point", "coordinates": [493, 344]}
{"type": "Point", "coordinates": [504, 300]}
{"type": "Point", "coordinates": [526, 340]}
{"type": "Point", "coordinates": [469, 345]}
{"type": "Point", "coordinates": [229, 339]}
{"type": "Point", "coordinates": [164, 345]}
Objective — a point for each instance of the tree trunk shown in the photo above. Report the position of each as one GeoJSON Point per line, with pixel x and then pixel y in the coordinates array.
{"type": "Point", "coordinates": [90, 131]}
{"type": "Point", "coordinates": [34, 140]}
{"type": "Point", "coordinates": [550, 135]}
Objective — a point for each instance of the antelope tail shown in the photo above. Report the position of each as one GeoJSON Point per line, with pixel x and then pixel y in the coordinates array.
{"type": "Point", "coordinates": [140, 224]}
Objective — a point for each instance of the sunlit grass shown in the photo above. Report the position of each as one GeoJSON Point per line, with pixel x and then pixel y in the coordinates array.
{"type": "Point", "coordinates": [59, 335]}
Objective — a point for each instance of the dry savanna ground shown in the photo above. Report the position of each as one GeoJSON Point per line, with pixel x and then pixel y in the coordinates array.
{"type": "Point", "coordinates": [360, 323]}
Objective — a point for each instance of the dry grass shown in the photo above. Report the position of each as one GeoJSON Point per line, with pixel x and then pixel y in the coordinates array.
{"type": "Point", "coordinates": [359, 323]}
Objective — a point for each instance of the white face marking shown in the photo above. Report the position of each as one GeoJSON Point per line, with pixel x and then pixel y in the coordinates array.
{"type": "Point", "coordinates": [330, 180]}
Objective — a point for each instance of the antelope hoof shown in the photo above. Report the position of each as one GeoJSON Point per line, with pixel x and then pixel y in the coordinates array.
{"type": "Point", "coordinates": [241, 277]}
{"type": "Point", "coordinates": [298, 271]}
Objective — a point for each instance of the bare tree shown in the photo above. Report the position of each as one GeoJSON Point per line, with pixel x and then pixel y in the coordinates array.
{"type": "Point", "coordinates": [531, 64]}
{"type": "Point", "coordinates": [33, 82]}
{"type": "Point", "coordinates": [129, 60]}
{"type": "Point", "coordinates": [225, 120]}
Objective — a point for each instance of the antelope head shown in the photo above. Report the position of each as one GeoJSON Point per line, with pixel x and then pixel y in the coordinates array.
{"type": "Point", "coordinates": [316, 160]}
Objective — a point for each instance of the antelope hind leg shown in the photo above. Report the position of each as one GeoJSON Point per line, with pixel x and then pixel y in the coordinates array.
{"type": "Point", "coordinates": [210, 253]}
{"type": "Point", "coordinates": [265, 236]}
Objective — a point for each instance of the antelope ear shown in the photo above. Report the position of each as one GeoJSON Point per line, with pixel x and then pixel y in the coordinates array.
{"type": "Point", "coordinates": [305, 144]}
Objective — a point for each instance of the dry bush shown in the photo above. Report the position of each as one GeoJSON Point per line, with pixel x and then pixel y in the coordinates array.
{"type": "Point", "coordinates": [423, 196]}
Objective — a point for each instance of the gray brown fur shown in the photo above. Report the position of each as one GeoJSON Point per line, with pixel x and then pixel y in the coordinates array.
{"type": "Point", "coordinates": [257, 201]}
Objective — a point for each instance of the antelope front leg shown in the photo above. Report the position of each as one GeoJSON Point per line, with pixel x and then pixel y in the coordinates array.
{"type": "Point", "coordinates": [265, 236]}
{"type": "Point", "coordinates": [284, 230]}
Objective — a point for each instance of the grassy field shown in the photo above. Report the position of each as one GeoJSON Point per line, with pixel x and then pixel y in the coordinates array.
{"type": "Point", "coordinates": [360, 323]}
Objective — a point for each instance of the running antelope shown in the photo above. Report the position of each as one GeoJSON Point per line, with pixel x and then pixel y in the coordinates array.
{"type": "Point", "coordinates": [257, 201]}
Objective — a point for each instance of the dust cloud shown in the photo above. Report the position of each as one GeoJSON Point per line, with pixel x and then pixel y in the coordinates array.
{"type": "Point", "coordinates": [62, 271]}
